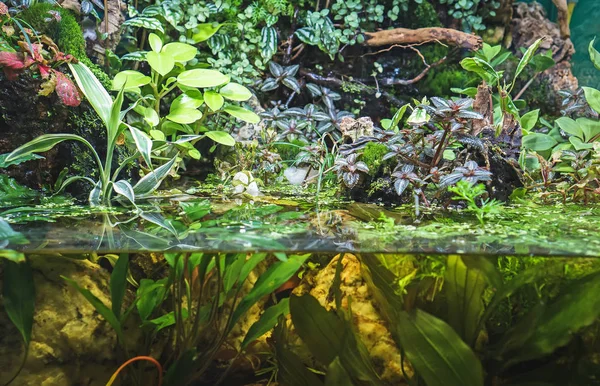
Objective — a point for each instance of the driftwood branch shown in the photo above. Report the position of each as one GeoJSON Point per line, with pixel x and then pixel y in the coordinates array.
{"type": "Point", "coordinates": [414, 36]}
{"type": "Point", "coordinates": [563, 18]}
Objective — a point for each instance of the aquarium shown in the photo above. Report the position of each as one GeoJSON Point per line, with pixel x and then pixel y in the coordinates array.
{"type": "Point", "coordinates": [282, 192]}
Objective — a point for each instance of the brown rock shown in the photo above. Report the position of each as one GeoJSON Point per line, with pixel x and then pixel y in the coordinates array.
{"type": "Point", "coordinates": [371, 327]}
{"type": "Point", "coordinates": [71, 343]}
{"type": "Point", "coordinates": [529, 24]}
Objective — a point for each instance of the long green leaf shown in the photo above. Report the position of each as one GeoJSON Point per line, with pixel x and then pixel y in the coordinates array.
{"type": "Point", "coordinates": [594, 54]}
{"type": "Point", "coordinates": [93, 90]}
{"type": "Point", "coordinates": [464, 290]}
{"type": "Point", "coordinates": [269, 281]}
{"type": "Point", "coordinates": [19, 297]}
{"type": "Point", "coordinates": [527, 58]}
{"type": "Point", "coordinates": [292, 371]}
{"type": "Point", "coordinates": [124, 188]}
{"type": "Point", "coordinates": [114, 122]}
{"type": "Point", "coordinates": [102, 309]}
{"type": "Point", "coordinates": [355, 358]}
{"type": "Point", "coordinates": [436, 351]}
{"type": "Point", "coordinates": [267, 321]}
{"type": "Point", "coordinates": [42, 144]}
{"type": "Point", "coordinates": [151, 181]}
{"type": "Point", "coordinates": [118, 283]}
{"type": "Point", "coordinates": [577, 307]}
{"type": "Point", "coordinates": [321, 330]}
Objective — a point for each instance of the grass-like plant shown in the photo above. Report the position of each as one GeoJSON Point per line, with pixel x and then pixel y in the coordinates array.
{"type": "Point", "coordinates": [109, 111]}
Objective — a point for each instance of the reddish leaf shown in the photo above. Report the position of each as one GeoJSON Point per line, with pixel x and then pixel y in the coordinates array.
{"type": "Point", "coordinates": [44, 71]}
{"type": "Point", "coordinates": [3, 9]}
{"type": "Point", "coordinates": [11, 60]}
{"type": "Point", "coordinates": [66, 90]}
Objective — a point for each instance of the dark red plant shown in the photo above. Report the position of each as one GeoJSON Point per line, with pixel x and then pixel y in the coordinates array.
{"type": "Point", "coordinates": [42, 57]}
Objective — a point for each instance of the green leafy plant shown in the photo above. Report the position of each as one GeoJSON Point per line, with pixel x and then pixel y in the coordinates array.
{"type": "Point", "coordinates": [110, 113]}
{"type": "Point", "coordinates": [484, 64]}
{"type": "Point", "coordinates": [18, 294]}
{"type": "Point", "coordinates": [197, 304]}
{"type": "Point", "coordinates": [332, 340]}
{"type": "Point", "coordinates": [470, 192]}
{"type": "Point", "coordinates": [440, 343]}
{"type": "Point", "coordinates": [569, 150]}
{"type": "Point", "coordinates": [200, 88]}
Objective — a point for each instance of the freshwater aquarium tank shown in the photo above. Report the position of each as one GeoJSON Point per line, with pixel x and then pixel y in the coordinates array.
{"type": "Point", "coordinates": [300, 193]}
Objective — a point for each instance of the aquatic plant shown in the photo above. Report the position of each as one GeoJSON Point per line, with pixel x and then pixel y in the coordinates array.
{"type": "Point", "coordinates": [349, 170]}
{"type": "Point", "coordinates": [198, 304]}
{"type": "Point", "coordinates": [470, 192]}
{"type": "Point", "coordinates": [109, 111]}
{"type": "Point", "coordinates": [485, 63]}
{"type": "Point", "coordinates": [427, 336]}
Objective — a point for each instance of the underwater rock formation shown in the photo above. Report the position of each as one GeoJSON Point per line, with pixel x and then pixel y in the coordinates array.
{"type": "Point", "coordinates": [71, 343]}
{"type": "Point", "coordinates": [369, 323]}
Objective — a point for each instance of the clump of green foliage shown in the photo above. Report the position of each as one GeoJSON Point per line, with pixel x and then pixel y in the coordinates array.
{"type": "Point", "coordinates": [470, 193]}
{"type": "Point", "coordinates": [565, 154]}
{"type": "Point", "coordinates": [203, 88]}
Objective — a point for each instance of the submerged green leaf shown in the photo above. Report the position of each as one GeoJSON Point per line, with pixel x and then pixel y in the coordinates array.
{"type": "Point", "coordinates": [19, 296]}
{"type": "Point", "coordinates": [118, 283]}
{"type": "Point", "coordinates": [102, 309]}
{"type": "Point", "coordinates": [267, 321]}
{"type": "Point", "coordinates": [438, 354]}
{"type": "Point", "coordinates": [321, 330]}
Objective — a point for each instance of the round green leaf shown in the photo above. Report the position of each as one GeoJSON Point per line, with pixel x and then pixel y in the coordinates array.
{"type": "Point", "coordinates": [180, 52]}
{"type": "Point", "coordinates": [161, 62]}
{"type": "Point", "coordinates": [592, 96]}
{"type": "Point", "coordinates": [579, 144]}
{"type": "Point", "coordinates": [201, 77]}
{"type": "Point", "coordinates": [187, 101]}
{"type": "Point", "coordinates": [214, 100]}
{"type": "Point", "coordinates": [242, 114]}
{"type": "Point", "coordinates": [235, 92]}
{"type": "Point", "coordinates": [222, 137]}
{"type": "Point", "coordinates": [590, 127]}
{"type": "Point", "coordinates": [155, 42]}
{"type": "Point", "coordinates": [184, 115]}
{"type": "Point", "coordinates": [131, 79]}
{"type": "Point", "coordinates": [538, 142]}
{"type": "Point", "coordinates": [205, 31]}
{"type": "Point", "coordinates": [570, 126]}
{"type": "Point", "coordinates": [151, 116]}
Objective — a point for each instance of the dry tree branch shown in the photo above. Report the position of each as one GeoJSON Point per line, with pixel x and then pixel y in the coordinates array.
{"type": "Point", "coordinates": [448, 36]}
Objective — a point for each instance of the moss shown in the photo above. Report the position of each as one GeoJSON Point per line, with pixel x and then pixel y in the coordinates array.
{"type": "Point", "coordinates": [289, 152]}
{"type": "Point", "coordinates": [373, 155]}
{"type": "Point", "coordinates": [66, 33]}
{"type": "Point", "coordinates": [439, 81]}
{"type": "Point", "coordinates": [422, 15]}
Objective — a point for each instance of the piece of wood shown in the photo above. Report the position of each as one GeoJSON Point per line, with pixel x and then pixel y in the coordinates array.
{"type": "Point", "coordinates": [414, 36]}
{"type": "Point", "coordinates": [563, 18]}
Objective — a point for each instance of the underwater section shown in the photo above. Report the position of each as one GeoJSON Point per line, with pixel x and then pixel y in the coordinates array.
{"type": "Point", "coordinates": [303, 318]}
